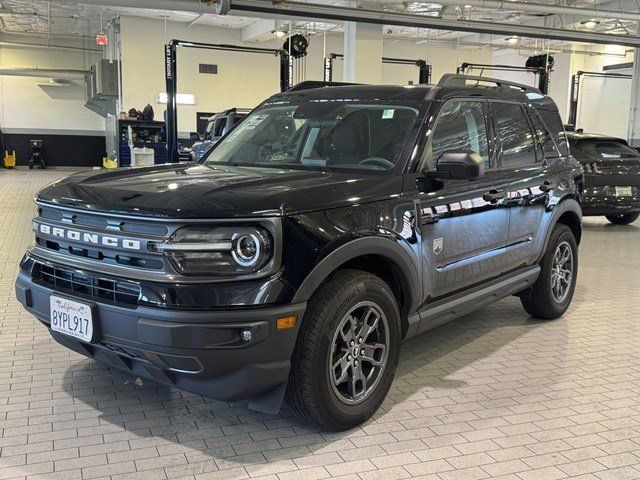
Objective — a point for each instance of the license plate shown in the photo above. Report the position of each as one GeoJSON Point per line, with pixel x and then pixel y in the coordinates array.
{"type": "Point", "coordinates": [71, 318]}
{"type": "Point", "coordinates": [624, 192]}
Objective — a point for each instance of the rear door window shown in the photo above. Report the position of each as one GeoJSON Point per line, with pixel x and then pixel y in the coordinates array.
{"type": "Point", "coordinates": [516, 139]}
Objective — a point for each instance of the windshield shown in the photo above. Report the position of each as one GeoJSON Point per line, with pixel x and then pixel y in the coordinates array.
{"type": "Point", "coordinates": [609, 149]}
{"type": "Point", "coordinates": [319, 135]}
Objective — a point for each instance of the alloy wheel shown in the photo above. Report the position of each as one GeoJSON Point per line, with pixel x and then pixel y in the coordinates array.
{"type": "Point", "coordinates": [359, 352]}
{"type": "Point", "coordinates": [562, 272]}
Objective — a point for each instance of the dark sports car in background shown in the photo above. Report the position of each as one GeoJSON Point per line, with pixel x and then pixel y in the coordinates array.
{"type": "Point", "coordinates": [611, 176]}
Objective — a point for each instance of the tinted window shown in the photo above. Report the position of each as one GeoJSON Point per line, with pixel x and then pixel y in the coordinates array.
{"type": "Point", "coordinates": [551, 119]}
{"type": "Point", "coordinates": [608, 148]}
{"type": "Point", "coordinates": [461, 127]}
{"type": "Point", "coordinates": [515, 135]}
{"type": "Point", "coordinates": [545, 139]}
{"type": "Point", "coordinates": [218, 130]}
{"type": "Point", "coordinates": [209, 131]}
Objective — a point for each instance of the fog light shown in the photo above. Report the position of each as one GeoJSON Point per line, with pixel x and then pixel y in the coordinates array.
{"type": "Point", "coordinates": [246, 335]}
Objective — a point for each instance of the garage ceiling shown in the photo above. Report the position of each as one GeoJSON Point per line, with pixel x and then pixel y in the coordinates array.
{"type": "Point", "coordinates": [66, 19]}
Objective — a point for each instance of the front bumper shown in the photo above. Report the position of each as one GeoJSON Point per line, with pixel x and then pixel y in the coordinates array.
{"type": "Point", "coordinates": [197, 351]}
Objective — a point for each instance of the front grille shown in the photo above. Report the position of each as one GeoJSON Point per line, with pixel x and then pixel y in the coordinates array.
{"type": "Point", "coordinates": [89, 230]}
{"type": "Point", "coordinates": [95, 288]}
{"type": "Point", "coordinates": [101, 222]}
{"type": "Point", "coordinates": [145, 228]}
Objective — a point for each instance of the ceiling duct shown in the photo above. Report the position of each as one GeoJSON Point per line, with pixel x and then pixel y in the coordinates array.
{"type": "Point", "coordinates": [43, 73]}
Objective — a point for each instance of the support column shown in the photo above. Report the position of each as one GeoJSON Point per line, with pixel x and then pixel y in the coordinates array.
{"type": "Point", "coordinates": [634, 106]}
{"type": "Point", "coordinates": [362, 53]}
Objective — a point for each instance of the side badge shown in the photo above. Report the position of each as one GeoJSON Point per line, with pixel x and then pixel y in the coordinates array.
{"type": "Point", "coordinates": [438, 243]}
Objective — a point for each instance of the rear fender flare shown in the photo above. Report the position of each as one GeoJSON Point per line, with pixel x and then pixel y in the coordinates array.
{"type": "Point", "coordinates": [567, 204]}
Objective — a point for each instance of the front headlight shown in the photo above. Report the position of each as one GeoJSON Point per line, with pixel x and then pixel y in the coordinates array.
{"type": "Point", "coordinates": [218, 250]}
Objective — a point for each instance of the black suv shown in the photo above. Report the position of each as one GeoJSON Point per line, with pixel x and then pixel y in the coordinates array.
{"type": "Point", "coordinates": [612, 176]}
{"type": "Point", "coordinates": [328, 226]}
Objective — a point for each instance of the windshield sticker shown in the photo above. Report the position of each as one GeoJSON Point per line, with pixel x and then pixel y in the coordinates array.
{"type": "Point", "coordinates": [254, 121]}
{"type": "Point", "coordinates": [388, 113]}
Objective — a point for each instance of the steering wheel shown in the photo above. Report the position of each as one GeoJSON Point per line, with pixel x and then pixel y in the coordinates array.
{"type": "Point", "coordinates": [377, 161]}
{"type": "Point", "coordinates": [265, 151]}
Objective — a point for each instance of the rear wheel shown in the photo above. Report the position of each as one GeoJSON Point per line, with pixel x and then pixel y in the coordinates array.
{"type": "Point", "coordinates": [551, 295]}
{"type": "Point", "coordinates": [623, 218]}
{"type": "Point", "coordinates": [347, 351]}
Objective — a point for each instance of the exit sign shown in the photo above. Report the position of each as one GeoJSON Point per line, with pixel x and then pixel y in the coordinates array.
{"type": "Point", "coordinates": [102, 39]}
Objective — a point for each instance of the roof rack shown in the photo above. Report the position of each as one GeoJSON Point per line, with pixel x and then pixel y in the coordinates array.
{"type": "Point", "coordinates": [455, 79]}
{"type": "Point", "coordinates": [309, 84]}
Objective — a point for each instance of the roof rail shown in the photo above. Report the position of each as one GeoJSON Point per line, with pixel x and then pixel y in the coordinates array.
{"type": "Point", "coordinates": [309, 84]}
{"type": "Point", "coordinates": [455, 79]}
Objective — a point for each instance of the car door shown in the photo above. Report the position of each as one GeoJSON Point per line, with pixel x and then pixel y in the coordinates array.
{"type": "Point", "coordinates": [519, 156]}
{"type": "Point", "coordinates": [464, 224]}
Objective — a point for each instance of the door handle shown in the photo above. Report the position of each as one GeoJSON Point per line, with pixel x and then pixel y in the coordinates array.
{"type": "Point", "coordinates": [428, 218]}
{"type": "Point", "coordinates": [548, 185]}
{"type": "Point", "coordinates": [494, 195]}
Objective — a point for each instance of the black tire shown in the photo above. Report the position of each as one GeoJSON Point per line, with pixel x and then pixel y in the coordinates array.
{"type": "Point", "coordinates": [311, 391]}
{"type": "Point", "coordinates": [623, 218]}
{"type": "Point", "coordinates": [539, 301]}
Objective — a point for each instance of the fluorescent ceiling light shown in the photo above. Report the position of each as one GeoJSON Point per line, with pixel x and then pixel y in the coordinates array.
{"type": "Point", "coordinates": [181, 98]}
{"type": "Point", "coordinates": [590, 24]}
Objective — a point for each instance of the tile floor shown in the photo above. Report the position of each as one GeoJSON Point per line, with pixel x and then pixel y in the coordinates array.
{"type": "Point", "coordinates": [492, 395]}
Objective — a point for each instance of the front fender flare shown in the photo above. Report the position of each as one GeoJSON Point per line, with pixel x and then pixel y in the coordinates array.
{"type": "Point", "coordinates": [407, 270]}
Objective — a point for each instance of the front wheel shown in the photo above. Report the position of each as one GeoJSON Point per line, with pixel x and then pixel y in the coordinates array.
{"type": "Point", "coordinates": [623, 218]}
{"type": "Point", "coordinates": [551, 295]}
{"type": "Point", "coordinates": [347, 351]}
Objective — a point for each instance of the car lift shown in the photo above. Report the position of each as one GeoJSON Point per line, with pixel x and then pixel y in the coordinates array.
{"type": "Point", "coordinates": [575, 90]}
{"type": "Point", "coordinates": [423, 66]}
{"type": "Point", "coordinates": [170, 62]}
{"type": "Point", "coordinates": [532, 67]}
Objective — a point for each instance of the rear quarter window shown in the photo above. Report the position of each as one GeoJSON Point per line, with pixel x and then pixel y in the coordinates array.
{"type": "Point", "coordinates": [607, 149]}
{"type": "Point", "coordinates": [552, 121]}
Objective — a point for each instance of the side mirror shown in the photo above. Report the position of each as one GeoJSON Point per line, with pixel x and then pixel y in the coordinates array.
{"type": "Point", "coordinates": [460, 166]}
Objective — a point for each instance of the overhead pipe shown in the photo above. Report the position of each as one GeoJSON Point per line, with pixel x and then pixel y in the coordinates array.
{"type": "Point", "coordinates": [529, 7]}
{"type": "Point", "coordinates": [331, 12]}
{"type": "Point", "coordinates": [46, 47]}
{"type": "Point", "coordinates": [42, 73]}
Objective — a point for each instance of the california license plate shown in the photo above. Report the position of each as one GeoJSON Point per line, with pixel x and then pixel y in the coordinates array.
{"type": "Point", "coordinates": [71, 318]}
{"type": "Point", "coordinates": [624, 192]}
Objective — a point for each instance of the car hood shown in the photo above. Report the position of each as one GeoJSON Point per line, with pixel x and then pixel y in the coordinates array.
{"type": "Point", "coordinates": [198, 191]}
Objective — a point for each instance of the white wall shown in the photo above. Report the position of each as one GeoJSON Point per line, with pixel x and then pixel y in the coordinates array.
{"type": "Point", "coordinates": [27, 107]}
{"type": "Point", "coordinates": [244, 80]}
{"type": "Point", "coordinates": [603, 105]}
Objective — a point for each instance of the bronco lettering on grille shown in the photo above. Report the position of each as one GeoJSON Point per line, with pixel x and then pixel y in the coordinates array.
{"type": "Point", "coordinates": [91, 238]}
